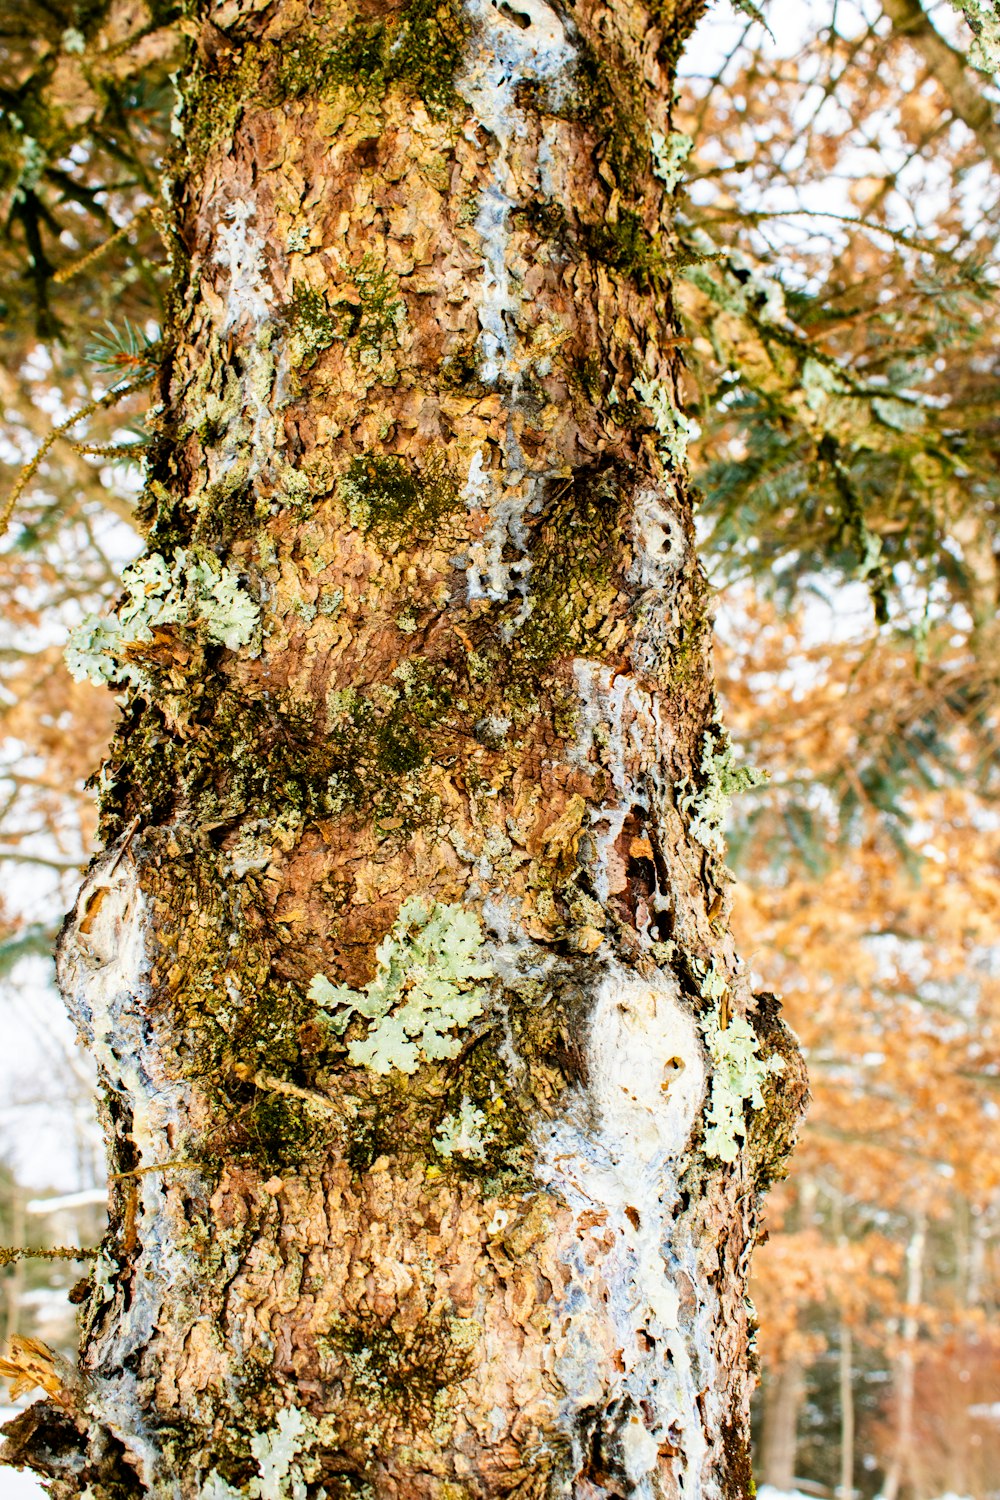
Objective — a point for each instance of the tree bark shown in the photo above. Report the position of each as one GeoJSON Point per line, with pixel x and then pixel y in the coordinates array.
{"type": "Point", "coordinates": [418, 462]}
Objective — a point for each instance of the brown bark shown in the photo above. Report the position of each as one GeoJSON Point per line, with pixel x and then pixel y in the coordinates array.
{"type": "Point", "coordinates": [422, 260]}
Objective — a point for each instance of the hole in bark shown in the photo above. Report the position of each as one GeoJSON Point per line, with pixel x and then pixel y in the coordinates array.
{"type": "Point", "coordinates": [636, 902]}
{"type": "Point", "coordinates": [661, 927]}
{"type": "Point", "coordinates": [518, 17]}
{"type": "Point", "coordinates": [366, 152]}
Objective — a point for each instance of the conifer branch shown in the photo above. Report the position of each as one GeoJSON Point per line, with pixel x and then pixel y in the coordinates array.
{"type": "Point", "coordinates": [30, 469]}
{"type": "Point", "coordinates": [84, 262]}
{"type": "Point", "coordinates": [11, 1253]}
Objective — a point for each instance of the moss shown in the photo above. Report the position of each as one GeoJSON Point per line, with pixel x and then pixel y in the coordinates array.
{"type": "Point", "coordinates": [276, 1131]}
{"type": "Point", "coordinates": [737, 1481]}
{"type": "Point", "coordinates": [215, 94]}
{"type": "Point", "coordinates": [236, 756]}
{"type": "Point", "coordinates": [314, 327]}
{"type": "Point", "coordinates": [381, 309]}
{"type": "Point", "coordinates": [242, 757]}
{"type": "Point", "coordinates": [420, 49]}
{"type": "Point", "coordinates": [623, 243]}
{"type": "Point", "coordinates": [482, 1082]}
{"type": "Point", "coordinates": [548, 220]}
{"type": "Point", "coordinates": [404, 1369]}
{"type": "Point", "coordinates": [772, 1130]}
{"type": "Point", "coordinates": [227, 513]}
{"type": "Point", "coordinates": [587, 374]}
{"type": "Point", "coordinates": [460, 371]}
{"type": "Point", "coordinates": [387, 497]}
{"type": "Point", "coordinates": [626, 245]}
{"type": "Point", "coordinates": [572, 574]}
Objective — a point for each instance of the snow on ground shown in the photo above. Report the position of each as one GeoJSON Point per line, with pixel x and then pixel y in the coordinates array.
{"type": "Point", "coordinates": [15, 1484]}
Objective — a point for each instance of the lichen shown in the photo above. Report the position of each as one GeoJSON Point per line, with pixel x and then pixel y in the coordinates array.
{"type": "Point", "coordinates": [423, 990]}
{"type": "Point", "coordinates": [984, 53]}
{"type": "Point", "coordinates": [723, 780]}
{"type": "Point", "coordinates": [194, 591]}
{"type": "Point", "coordinates": [465, 1133]}
{"type": "Point", "coordinates": [275, 1452]}
{"type": "Point", "coordinates": [669, 153]}
{"type": "Point", "coordinates": [672, 427]}
{"type": "Point", "coordinates": [738, 1077]}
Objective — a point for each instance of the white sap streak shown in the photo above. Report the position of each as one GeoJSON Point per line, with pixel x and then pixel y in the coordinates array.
{"type": "Point", "coordinates": [487, 576]}
{"type": "Point", "coordinates": [264, 382]}
{"type": "Point", "coordinates": [621, 728]}
{"type": "Point", "coordinates": [104, 975]}
{"type": "Point", "coordinates": [612, 1156]}
{"type": "Point", "coordinates": [500, 56]}
{"type": "Point", "coordinates": [242, 250]}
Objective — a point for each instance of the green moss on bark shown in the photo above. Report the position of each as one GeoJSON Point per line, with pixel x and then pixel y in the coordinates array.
{"type": "Point", "coordinates": [420, 49]}
{"type": "Point", "coordinates": [390, 499]}
{"type": "Point", "coordinates": [404, 1369]}
{"type": "Point", "coordinates": [573, 585]}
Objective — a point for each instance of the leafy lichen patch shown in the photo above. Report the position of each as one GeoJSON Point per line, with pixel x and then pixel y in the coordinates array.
{"type": "Point", "coordinates": [465, 1132]}
{"type": "Point", "coordinates": [672, 427]}
{"type": "Point", "coordinates": [723, 779]}
{"type": "Point", "coordinates": [738, 1077]}
{"type": "Point", "coordinates": [425, 988]}
{"type": "Point", "coordinates": [278, 1475]}
{"type": "Point", "coordinates": [670, 152]}
{"type": "Point", "coordinates": [193, 590]}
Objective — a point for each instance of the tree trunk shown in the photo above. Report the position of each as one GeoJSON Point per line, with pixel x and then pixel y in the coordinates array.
{"type": "Point", "coordinates": [906, 1361]}
{"type": "Point", "coordinates": [438, 1103]}
{"type": "Point", "coordinates": [784, 1393]}
{"type": "Point", "coordinates": [845, 1382]}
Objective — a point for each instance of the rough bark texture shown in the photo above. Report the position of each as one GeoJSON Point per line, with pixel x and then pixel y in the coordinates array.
{"type": "Point", "coordinates": [422, 259]}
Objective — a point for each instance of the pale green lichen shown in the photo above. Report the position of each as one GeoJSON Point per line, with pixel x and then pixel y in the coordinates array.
{"type": "Point", "coordinates": [465, 1133]}
{"type": "Point", "coordinates": [275, 1452]}
{"type": "Point", "coordinates": [738, 1077]}
{"type": "Point", "coordinates": [723, 780]}
{"type": "Point", "coordinates": [423, 991]}
{"type": "Point", "coordinates": [820, 382]}
{"type": "Point", "coordinates": [984, 19]}
{"type": "Point", "coordinates": [738, 1072]}
{"type": "Point", "coordinates": [194, 590]}
{"type": "Point", "coordinates": [672, 427]}
{"type": "Point", "coordinates": [279, 1477]}
{"type": "Point", "coordinates": [670, 152]}
{"type": "Point", "coordinates": [713, 982]}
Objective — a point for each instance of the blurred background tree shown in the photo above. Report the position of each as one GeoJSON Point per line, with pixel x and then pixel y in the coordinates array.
{"type": "Point", "coordinates": [838, 207]}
